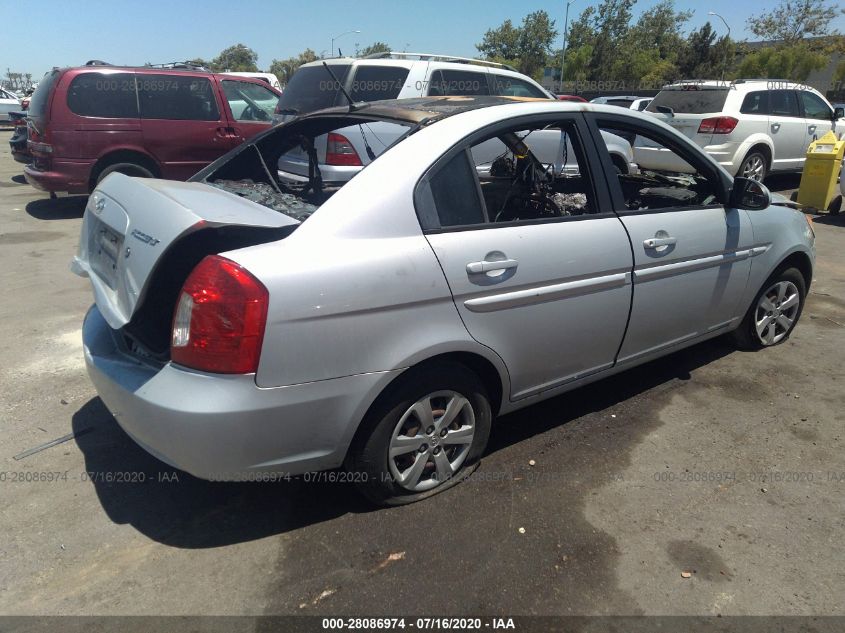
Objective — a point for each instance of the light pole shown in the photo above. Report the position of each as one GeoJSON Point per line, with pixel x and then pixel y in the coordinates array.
{"type": "Point", "coordinates": [563, 53]}
{"type": "Point", "coordinates": [725, 22]}
{"type": "Point", "coordinates": [337, 37]}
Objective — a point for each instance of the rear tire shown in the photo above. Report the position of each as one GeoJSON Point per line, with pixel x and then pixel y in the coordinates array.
{"type": "Point", "coordinates": [754, 166]}
{"type": "Point", "coordinates": [129, 169]}
{"type": "Point", "coordinates": [425, 434]}
{"type": "Point", "coordinates": [774, 313]}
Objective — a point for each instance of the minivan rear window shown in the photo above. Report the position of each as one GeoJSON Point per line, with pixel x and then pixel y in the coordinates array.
{"type": "Point", "coordinates": [311, 88]}
{"type": "Point", "coordinates": [41, 97]}
{"type": "Point", "coordinates": [691, 101]}
{"type": "Point", "coordinates": [106, 95]}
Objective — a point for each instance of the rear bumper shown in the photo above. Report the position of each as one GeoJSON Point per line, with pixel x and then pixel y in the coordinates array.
{"type": "Point", "coordinates": [69, 176]}
{"type": "Point", "coordinates": [222, 427]}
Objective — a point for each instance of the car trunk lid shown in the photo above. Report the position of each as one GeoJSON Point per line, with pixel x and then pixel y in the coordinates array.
{"type": "Point", "coordinates": [132, 224]}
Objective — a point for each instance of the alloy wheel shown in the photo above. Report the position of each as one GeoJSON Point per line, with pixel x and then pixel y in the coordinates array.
{"type": "Point", "coordinates": [776, 312]}
{"type": "Point", "coordinates": [431, 441]}
{"type": "Point", "coordinates": [754, 168]}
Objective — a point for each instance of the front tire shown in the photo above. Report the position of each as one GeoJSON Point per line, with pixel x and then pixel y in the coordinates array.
{"type": "Point", "coordinates": [424, 435]}
{"type": "Point", "coordinates": [775, 311]}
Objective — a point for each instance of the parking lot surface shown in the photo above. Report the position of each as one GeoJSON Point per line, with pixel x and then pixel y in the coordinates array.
{"type": "Point", "coordinates": [712, 463]}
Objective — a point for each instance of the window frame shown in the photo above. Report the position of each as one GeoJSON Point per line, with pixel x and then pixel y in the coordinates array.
{"type": "Point", "coordinates": [359, 68]}
{"type": "Point", "coordinates": [424, 200]}
{"type": "Point", "coordinates": [766, 94]}
{"type": "Point", "coordinates": [497, 78]}
{"type": "Point", "coordinates": [595, 121]}
{"type": "Point", "coordinates": [139, 77]}
{"type": "Point", "coordinates": [104, 75]}
{"type": "Point", "coordinates": [799, 106]}
{"type": "Point", "coordinates": [803, 109]}
{"type": "Point", "coordinates": [484, 81]}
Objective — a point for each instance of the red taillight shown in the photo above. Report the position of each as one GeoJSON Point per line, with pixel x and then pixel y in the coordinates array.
{"type": "Point", "coordinates": [718, 125]}
{"type": "Point", "coordinates": [220, 317]}
{"type": "Point", "coordinates": [339, 151]}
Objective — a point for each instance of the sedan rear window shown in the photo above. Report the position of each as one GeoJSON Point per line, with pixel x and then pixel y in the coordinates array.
{"type": "Point", "coordinates": [690, 101]}
{"type": "Point", "coordinates": [312, 88]}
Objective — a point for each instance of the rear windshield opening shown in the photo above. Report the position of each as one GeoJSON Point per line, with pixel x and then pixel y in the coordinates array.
{"type": "Point", "coordinates": [41, 97]}
{"type": "Point", "coordinates": [253, 172]}
{"type": "Point", "coordinates": [702, 101]}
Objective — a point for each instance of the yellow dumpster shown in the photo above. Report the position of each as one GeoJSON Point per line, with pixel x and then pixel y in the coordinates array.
{"type": "Point", "coordinates": [821, 170]}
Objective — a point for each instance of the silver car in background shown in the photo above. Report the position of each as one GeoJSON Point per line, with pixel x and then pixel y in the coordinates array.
{"type": "Point", "coordinates": [246, 326]}
{"type": "Point", "coordinates": [342, 153]}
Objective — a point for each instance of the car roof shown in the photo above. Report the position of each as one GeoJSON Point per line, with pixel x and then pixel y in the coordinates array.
{"type": "Point", "coordinates": [406, 60]}
{"type": "Point", "coordinates": [426, 109]}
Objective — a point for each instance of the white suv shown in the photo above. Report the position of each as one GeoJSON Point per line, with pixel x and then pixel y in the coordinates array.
{"type": "Point", "coordinates": [751, 127]}
{"type": "Point", "coordinates": [384, 76]}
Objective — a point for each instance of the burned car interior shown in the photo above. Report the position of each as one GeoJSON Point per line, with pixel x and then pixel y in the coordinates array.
{"type": "Point", "coordinates": [251, 172]}
{"type": "Point", "coordinates": [651, 189]}
{"type": "Point", "coordinates": [517, 184]}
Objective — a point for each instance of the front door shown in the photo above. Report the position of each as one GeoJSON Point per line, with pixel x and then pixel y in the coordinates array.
{"type": "Point", "coordinates": [692, 257]}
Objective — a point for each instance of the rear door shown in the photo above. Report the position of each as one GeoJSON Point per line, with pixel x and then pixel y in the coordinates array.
{"type": "Point", "coordinates": [249, 106]}
{"type": "Point", "coordinates": [787, 129]}
{"type": "Point", "coordinates": [549, 292]}
{"type": "Point", "coordinates": [183, 124]}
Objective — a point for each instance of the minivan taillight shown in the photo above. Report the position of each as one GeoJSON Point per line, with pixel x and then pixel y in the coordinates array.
{"type": "Point", "coordinates": [220, 318]}
{"type": "Point", "coordinates": [339, 151]}
{"type": "Point", "coordinates": [718, 125]}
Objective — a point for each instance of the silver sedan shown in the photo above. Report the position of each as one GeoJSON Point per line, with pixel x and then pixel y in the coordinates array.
{"type": "Point", "coordinates": [246, 327]}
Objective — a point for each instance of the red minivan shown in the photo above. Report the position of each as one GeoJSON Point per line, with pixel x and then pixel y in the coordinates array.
{"type": "Point", "coordinates": [85, 123]}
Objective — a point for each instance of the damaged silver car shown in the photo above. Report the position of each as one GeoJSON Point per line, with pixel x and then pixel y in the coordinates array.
{"type": "Point", "coordinates": [246, 324]}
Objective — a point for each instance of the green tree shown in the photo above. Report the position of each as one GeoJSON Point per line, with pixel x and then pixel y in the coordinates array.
{"type": "Point", "coordinates": [794, 62]}
{"type": "Point", "coordinates": [284, 68]}
{"type": "Point", "coordinates": [237, 58]}
{"type": "Point", "coordinates": [527, 47]}
{"type": "Point", "coordinates": [794, 20]}
{"type": "Point", "coordinates": [704, 56]}
{"type": "Point", "coordinates": [372, 49]}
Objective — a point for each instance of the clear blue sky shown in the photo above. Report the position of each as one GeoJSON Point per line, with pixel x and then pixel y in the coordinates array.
{"type": "Point", "coordinates": [45, 33]}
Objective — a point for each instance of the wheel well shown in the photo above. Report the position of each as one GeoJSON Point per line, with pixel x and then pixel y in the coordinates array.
{"type": "Point", "coordinates": [122, 156]}
{"type": "Point", "coordinates": [800, 261]}
{"type": "Point", "coordinates": [483, 368]}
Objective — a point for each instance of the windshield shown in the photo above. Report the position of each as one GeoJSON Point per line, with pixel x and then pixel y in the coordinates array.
{"type": "Point", "coordinates": [690, 101]}
{"type": "Point", "coordinates": [312, 88]}
{"type": "Point", "coordinates": [41, 97]}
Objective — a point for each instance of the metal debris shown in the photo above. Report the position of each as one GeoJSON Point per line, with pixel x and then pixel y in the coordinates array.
{"type": "Point", "coordinates": [267, 196]}
{"type": "Point", "coordinates": [51, 443]}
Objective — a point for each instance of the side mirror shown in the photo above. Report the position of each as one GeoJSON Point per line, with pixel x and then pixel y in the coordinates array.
{"type": "Point", "coordinates": [749, 194]}
{"type": "Point", "coordinates": [839, 113]}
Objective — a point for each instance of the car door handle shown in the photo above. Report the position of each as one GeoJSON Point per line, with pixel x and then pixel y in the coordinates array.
{"type": "Point", "coordinates": [775, 126]}
{"type": "Point", "coordinates": [475, 268]}
{"type": "Point", "coordinates": [811, 129]}
{"type": "Point", "coordinates": [657, 242]}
